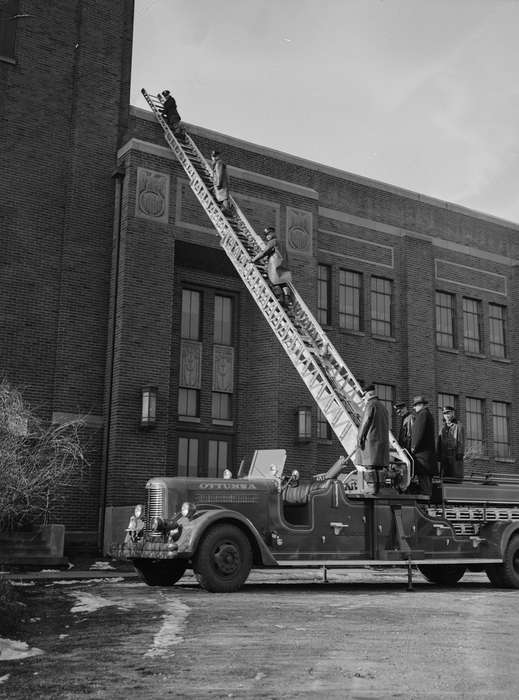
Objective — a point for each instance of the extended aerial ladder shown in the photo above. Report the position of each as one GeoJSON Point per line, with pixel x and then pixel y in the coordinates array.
{"type": "Point", "coordinates": [331, 383]}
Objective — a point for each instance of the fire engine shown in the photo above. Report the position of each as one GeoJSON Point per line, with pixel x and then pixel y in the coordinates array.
{"type": "Point", "coordinates": [264, 518]}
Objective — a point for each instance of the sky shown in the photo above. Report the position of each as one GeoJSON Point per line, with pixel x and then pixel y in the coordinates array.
{"type": "Point", "coordinates": [420, 94]}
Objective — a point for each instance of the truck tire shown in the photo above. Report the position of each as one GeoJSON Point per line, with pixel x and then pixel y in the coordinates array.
{"type": "Point", "coordinates": [510, 566]}
{"type": "Point", "coordinates": [160, 573]}
{"type": "Point", "coordinates": [443, 574]}
{"type": "Point", "coordinates": [223, 559]}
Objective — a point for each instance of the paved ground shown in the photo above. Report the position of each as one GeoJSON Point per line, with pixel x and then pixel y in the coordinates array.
{"type": "Point", "coordinates": [285, 635]}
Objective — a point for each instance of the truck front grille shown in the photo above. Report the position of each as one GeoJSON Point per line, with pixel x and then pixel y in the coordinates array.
{"type": "Point", "coordinates": [156, 503]}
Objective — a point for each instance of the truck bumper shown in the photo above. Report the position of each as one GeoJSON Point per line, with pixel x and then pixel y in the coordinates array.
{"type": "Point", "coordinates": [146, 550]}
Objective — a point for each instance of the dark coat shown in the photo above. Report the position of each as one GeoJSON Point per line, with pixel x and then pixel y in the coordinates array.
{"type": "Point", "coordinates": [404, 434]}
{"type": "Point", "coordinates": [373, 437]}
{"type": "Point", "coordinates": [169, 110]}
{"type": "Point", "coordinates": [450, 448]}
{"type": "Point", "coordinates": [423, 443]}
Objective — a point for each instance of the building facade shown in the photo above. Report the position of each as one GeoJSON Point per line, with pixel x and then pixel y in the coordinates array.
{"type": "Point", "coordinates": [116, 287]}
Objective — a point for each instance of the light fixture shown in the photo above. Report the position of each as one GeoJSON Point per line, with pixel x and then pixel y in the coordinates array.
{"type": "Point", "coordinates": [304, 423]}
{"type": "Point", "coordinates": [148, 406]}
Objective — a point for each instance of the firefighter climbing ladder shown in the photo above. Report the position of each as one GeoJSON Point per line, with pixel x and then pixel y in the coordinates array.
{"type": "Point", "coordinates": [332, 385]}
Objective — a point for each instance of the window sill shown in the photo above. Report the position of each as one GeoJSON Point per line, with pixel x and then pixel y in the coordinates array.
{"type": "Point", "coordinates": [504, 360]}
{"type": "Point", "coordinates": [322, 441]}
{"type": "Point", "coordinates": [505, 460]}
{"type": "Point", "coordinates": [189, 419]}
{"type": "Point", "coordinates": [348, 331]}
{"type": "Point", "coordinates": [387, 338]}
{"type": "Point", "coordinates": [481, 458]}
{"type": "Point", "coordinates": [453, 351]}
{"type": "Point", "coordinates": [228, 423]}
{"type": "Point", "coordinates": [478, 355]}
{"type": "Point", "coordinates": [6, 59]}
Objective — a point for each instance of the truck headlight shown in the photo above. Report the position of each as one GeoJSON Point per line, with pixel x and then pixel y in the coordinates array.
{"type": "Point", "coordinates": [188, 509]}
{"type": "Point", "coordinates": [138, 511]}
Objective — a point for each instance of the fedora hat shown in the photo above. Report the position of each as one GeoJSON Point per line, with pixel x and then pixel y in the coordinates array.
{"type": "Point", "coordinates": [419, 399]}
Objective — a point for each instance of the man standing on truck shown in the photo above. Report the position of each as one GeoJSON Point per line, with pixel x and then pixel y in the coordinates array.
{"type": "Point", "coordinates": [373, 436]}
{"type": "Point", "coordinates": [407, 417]}
{"type": "Point", "coordinates": [423, 445]}
{"type": "Point", "coordinates": [451, 446]}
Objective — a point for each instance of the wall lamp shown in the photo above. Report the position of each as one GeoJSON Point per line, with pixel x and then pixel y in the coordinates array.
{"type": "Point", "coordinates": [148, 406]}
{"type": "Point", "coordinates": [304, 424]}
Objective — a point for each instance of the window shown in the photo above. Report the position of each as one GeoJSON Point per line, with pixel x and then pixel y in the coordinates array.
{"type": "Point", "coordinates": [471, 325]}
{"type": "Point", "coordinates": [501, 428]}
{"type": "Point", "coordinates": [349, 299]}
{"type": "Point", "coordinates": [324, 431]}
{"type": "Point", "coordinates": [222, 320]}
{"type": "Point", "coordinates": [474, 416]}
{"type": "Point", "coordinates": [187, 456]}
{"type": "Point", "coordinates": [188, 402]}
{"type": "Point", "coordinates": [221, 407]}
{"type": "Point", "coordinates": [445, 332]}
{"type": "Point", "coordinates": [497, 330]}
{"type": "Point", "coordinates": [190, 324]}
{"type": "Point", "coordinates": [445, 400]}
{"type": "Point", "coordinates": [380, 306]}
{"type": "Point", "coordinates": [9, 11]}
{"type": "Point", "coordinates": [386, 394]}
{"type": "Point", "coordinates": [217, 457]}
{"type": "Point", "coordinates": [323, 294]}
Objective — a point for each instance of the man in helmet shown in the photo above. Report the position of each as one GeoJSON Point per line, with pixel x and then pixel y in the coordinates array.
{"type": "Point", "coordinates": [169, 111]}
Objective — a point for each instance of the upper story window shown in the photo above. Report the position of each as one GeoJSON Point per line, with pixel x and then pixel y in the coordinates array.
{"type": "Point", "coordinates": [350, 285]}
{"type": "Point", "coordinates": [222, 320]}
{"type": "Point", "coordinates": [323, 294]}
{"type": "Point", "coordinates": [474, 414]}
{"type": "Point", "coordinates": [324, 431]}
{"type": "Point", "coordinates": [190, 324]}
{"type": "Point", "coordinates": [223, 360]}
{"type": "Point", "coordinates": [445, 328]}
{"type": "Point", "coordinates": [381, 293]}
{"type": "Point", "coordinates": [497, 330]}
{"type": "Point", "coordinates": [471, 325]}
{"type": "Point", "coordinates": [501, 428]}
{"type": "Point", "coordinates": [9, 12]}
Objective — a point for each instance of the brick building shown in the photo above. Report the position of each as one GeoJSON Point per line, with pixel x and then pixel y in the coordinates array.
{"type": "Point", "coordinates": [114, 282]}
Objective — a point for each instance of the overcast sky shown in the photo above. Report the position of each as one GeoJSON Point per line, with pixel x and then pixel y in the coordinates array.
{"type": "Point", "coordinates": [423, 94]}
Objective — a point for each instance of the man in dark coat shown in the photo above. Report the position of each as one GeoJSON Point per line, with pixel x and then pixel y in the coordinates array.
{"type": "Point", "coordinates": [423, 445]}
{"type": "Point", "coordinates": [169, 111]}
{"type": "Point", "coordinates": [407, 418]}
{"type": "Point", "coordinates": [451, 445]}
{"type": "Point", "coordinates": [373, 436]}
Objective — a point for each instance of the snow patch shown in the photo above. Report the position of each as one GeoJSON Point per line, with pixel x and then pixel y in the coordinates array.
{"type": "Point", "coordinates": [170, 631]}
{"type": "Point", "coordinates": [70, 582]}
{"type": "Point", "coordinates": [102, 565]}
{"type": "Point", "coordinates": [11, 649]}
{"type": "Point", "coordinates": [88, 602]}
{"type": "Point", "coordinates": [22, 583]}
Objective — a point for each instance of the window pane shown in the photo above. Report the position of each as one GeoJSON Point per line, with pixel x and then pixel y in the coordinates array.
{"type": "Point", "coordinates": [221, 408]}
{"type": "Point", "coordinates": [217, 457]}
{"type": "Point", "coordinates": [222, 320]}
{"type": "Point", "coordinates": [474, 417]}
{"type": "Point", "coordinates": [496, 321]}
{"type": "Point", "coordinates": [323, 294]}
{"type": "Point", "coordinates": [445, 320]}
{"type": "Point", "coordinates": [324, 431]}
{"type": "Point", "coordinates": [501, 428]}
{"type": "Point", "coordinates": [187, 457]}
{"type": "Point", "coordinates": [471, 324]}
{"type": "Point", "coordinates": [188, 402]}
{"type": "Point", "coordinates": [381, 306]}
{"type": "Point", "coordinates": [349, 299]}
{"type": "Point", "coordinates": [190, 325]}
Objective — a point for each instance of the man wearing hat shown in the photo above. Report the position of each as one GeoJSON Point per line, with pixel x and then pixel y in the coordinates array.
{"type": "Point", "coordinates": [169, 110]}
{"type": "Point", "coordinates": [423, 445]}
{"type": "Point", "coordinates": [450, 445]}
{"type": "Point", "coordinates": [373, 436]}
{"type": "Point", "coordinates": [407, 417]}
{"type": "Point", "coordinates": [220, 180]}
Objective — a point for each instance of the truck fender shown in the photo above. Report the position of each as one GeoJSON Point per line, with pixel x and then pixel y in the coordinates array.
{"type": "Point", "coordinates": [507, 534]}
{"type": "Point", "coordinates": [206, 519]}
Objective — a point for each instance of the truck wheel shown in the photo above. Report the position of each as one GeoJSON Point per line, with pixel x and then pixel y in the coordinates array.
{"type": "Point", "coordinates": [160, 573]}
{"type": "Point", "coordinates": [510, 567]}
{"type": "Point", "coordinates": [442, 574]}
{"type": "Point", "coordinates": [223, 559]}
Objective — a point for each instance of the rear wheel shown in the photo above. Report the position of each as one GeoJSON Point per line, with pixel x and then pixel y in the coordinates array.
{"type": "Point", "coordinates": [443, 574]}
{"type": "Point", "coordinates": [160, 572]}
{"type": "Point", "coordinates": [510, 566]}
{"type": "Point", "coordinates": [223, 559]}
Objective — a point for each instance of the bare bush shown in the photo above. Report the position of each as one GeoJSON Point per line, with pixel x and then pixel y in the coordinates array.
{"type": "Point", "coordinates": [38, 462]}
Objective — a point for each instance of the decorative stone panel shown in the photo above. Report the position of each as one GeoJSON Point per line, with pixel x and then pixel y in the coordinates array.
{"type": "Point", "coordinates": [190, 364]}
{"type": "Point", "coordinates": [152, 196]}
{"type": "Point", "coordinates": [223, 368]}
{"type": "Point", "coordinates": [471, 277]}
{"type": "Point", "coordinates": [299, 231]}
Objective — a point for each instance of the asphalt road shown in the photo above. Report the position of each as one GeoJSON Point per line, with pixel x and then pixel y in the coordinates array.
{"type": "Point", "coordinates": [284, 635]}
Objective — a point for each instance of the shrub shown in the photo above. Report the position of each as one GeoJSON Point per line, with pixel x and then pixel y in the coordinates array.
{"type": "Point", "coordinates": [11, 608]}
